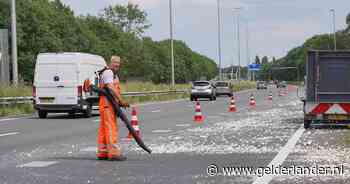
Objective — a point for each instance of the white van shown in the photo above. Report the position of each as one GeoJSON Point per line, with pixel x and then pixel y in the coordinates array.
{"type": "Point", "coordinates": [58, 83]}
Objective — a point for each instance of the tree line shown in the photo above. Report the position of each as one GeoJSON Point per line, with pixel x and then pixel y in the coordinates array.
{"type": "Point", "coordinates": [296, 57]}
{"type": "Point", "coordinates": [51, 26]}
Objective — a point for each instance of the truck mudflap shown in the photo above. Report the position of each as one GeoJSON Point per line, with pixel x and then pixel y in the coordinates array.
{"type": "Point", "coordinates": [337, 114]}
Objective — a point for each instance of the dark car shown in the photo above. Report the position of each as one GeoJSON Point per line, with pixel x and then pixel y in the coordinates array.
{"type": "Point", "coordinates": [223, 88]}
{"type": "Point", "coordinates": [203, 89]}
{"type": "Point", "coordinates": [282, 84]}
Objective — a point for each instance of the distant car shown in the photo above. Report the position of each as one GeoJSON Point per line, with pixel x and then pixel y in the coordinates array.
{"type": "Point", "coordinates": [261, 85]}
{"type": "Point", "coordinates": [282, 84]}
{"type": "Point", "coordinates": [223, 88]}
{"type": "Point", "coordinates": [203, 89]}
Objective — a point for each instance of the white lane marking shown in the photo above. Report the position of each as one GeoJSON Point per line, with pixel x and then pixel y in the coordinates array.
{"type": "Point", "coordinates": [38, 164]}
{"type": "Point", "coordinates": [155, 111]}
{"type": "Point", "coordinates": [183, 125]}
{"type": "Point", "coordinates": [161, 131]}
{"type": "Point", "coordinates": [7, 134]}
{"type": "Point", "coordinates": [281, 156]}
{"type": "Point", "coordinates": [96, 120]}
{"type": "Point", "coordinates": [89, 149]}
{"type": "Point", "coordinates": [9, 119]}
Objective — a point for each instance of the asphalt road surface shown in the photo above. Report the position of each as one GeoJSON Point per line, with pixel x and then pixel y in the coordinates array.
{"type": "Point", "coordinates": [62, 150]}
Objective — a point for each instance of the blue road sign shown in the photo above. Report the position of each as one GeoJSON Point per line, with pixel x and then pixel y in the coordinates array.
{"type": "Point", "coordinates": [254, 67]}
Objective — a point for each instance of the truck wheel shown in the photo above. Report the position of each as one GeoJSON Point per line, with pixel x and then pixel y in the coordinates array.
{"type": "Point", "coordinates": [88, 112]}
{"type": "Point", "coordinates": [307, 124]}
{"type": "Point", "coordinates": [42, 114]}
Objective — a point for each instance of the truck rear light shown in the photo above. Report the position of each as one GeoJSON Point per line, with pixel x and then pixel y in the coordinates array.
{"type": "Point", "coordinates": [34, 92]}
{"type": "Point", "coordinates": [80, 91]}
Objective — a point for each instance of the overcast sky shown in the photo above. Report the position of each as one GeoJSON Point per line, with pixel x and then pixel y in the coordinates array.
{"type": "Point", "coordinates": [275, 26]}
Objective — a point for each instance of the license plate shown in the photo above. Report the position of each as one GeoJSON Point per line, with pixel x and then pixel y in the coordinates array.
{"type": "Point", "coordinates": [47, 100]}
{"type": "Point", "coordinates": [337, 117]}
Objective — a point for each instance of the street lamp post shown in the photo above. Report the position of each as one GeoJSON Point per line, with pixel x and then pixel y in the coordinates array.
{"type": "Point", "coordinates": [14, 43]}
{"type": "Point", "coordinates": [238, 43]}
{"type": "Point", "coordinates": [219, 39]}
{"type": "Point", "coordinates": [172, 43]}
{"type": "Point", "coordinates": [334, 30]}
{"type": "Point", "coordinates": [247, 46]}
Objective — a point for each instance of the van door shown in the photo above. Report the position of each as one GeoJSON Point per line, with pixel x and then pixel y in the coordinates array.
{"type": "Point", "coordinates": [56, 83]}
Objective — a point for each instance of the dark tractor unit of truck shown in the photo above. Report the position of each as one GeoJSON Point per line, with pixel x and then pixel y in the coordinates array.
{"type": "Point", "coordinates": [327, 88]}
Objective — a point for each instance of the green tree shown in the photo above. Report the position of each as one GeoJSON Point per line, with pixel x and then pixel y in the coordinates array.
{"type": "Point", "coordinates": [4, 13]}
{"type": "Point", "coordinates": [273, 60]}
{"type": "Point", "coordinates": [129, 18]}
{"type": "Point", "coordinates": [257, 60]}
{"type": "Point", "coordinates": [264, 60]}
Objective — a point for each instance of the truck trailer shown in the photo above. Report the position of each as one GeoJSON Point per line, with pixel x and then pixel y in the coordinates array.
{"type": "Point", "coordinates": [327, 88]}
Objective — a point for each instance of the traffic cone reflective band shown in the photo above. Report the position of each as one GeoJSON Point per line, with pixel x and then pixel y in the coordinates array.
{"type": "Point", "coordinates": [270, 96]}
{"type": "Point", "coordinates": [232, 107]}
{"type": "Point", "coordinates": [252, 102]}
{"type": "Point", "coordinates": [198, 117]}
{"type": "Point", "coordinates": [134, 123]}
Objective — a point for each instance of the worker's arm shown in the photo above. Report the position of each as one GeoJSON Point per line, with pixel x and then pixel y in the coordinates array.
{"type": "Point", "coordinates": [117, 96]}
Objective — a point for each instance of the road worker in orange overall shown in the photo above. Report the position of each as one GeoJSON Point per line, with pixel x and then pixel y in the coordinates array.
{"type": "Point", "coordinates": [108, 139]}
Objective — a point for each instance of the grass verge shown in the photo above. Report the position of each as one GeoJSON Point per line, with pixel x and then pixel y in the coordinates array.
{"type": "Point", "coordinates": [244, 85]}
{"type": "Point", "coordinates": [9, 110]}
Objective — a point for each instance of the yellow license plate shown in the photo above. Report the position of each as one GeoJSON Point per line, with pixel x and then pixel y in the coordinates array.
{"type": "Point", "coordinates": [337, 117]}
{"type": "Point", "coordinates": [46, 100]}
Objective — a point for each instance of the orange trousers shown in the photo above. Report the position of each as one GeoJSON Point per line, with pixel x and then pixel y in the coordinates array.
{"type": "Point", "coordinates": [108, 138]}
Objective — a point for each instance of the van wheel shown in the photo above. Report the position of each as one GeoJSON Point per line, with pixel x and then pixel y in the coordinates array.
{"type": "Point", "coordinates": [88, 112]}
{"type": "Point", "coordinates": [42, 114]}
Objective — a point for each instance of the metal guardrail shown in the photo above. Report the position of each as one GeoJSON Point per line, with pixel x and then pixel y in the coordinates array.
{"type": "Point", "coordinates": [25, 100]}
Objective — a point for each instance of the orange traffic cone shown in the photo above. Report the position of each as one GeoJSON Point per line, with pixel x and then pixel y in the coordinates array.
{"type": "Point", "coordinates": [232, 107]}
{"type": "Point", "coordinates": [198, 117]}
{"type": "Point", "coordinates": [134, 123]}
{"type": "Point", "coordinates": [270, 96]}
{"type": "Point", "coordinates": [252, 102]}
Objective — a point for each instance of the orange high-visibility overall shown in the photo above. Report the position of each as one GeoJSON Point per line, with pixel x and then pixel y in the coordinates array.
{"type": "Point", "coordinates": [108, 138]}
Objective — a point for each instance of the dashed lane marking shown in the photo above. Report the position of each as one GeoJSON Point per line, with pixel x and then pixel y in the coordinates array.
{"type": "Point", "coordinates": [281, 156]}
{"type": "Point", "coordinates": [161, 131]}
{"type": "Point", "coordinates": [183, 125]}
{"type": "Point", "coordinates": [8, 134]}
{"type": "Point", "coordinates": [39, 164]}
{"type": "Point", "coordinates": [9, 119]}
{"type": "Point", "coordinates": [155, 111]}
